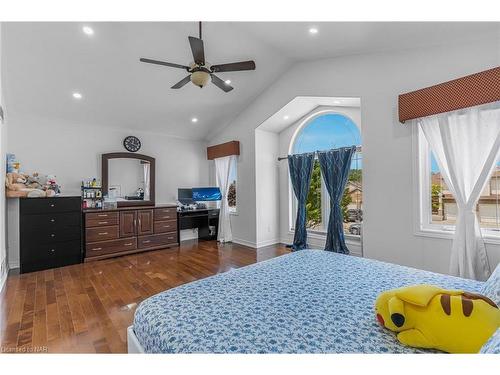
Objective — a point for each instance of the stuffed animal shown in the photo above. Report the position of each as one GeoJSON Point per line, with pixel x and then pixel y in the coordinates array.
{"type": "Point", "coordinates": [426, 316]}
{"type": "Point", "coordinates": [17, 186]}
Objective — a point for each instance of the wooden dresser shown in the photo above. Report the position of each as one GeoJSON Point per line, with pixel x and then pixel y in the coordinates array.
{"type": "Point", "coordinates": [127, 230]}
{"type": "Point", "coordinates": [49, 232]}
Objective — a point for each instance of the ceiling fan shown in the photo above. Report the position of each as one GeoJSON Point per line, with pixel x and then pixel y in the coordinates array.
{"type": "Point", "coordinates": [199, 71]}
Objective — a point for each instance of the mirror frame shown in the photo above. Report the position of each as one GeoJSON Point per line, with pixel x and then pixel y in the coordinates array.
{"type": "Point", "coordinates": [125, 155]}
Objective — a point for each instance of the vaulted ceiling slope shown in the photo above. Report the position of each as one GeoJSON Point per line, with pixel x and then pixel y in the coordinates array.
{"type": "Point", "coordinates": [45, 63]}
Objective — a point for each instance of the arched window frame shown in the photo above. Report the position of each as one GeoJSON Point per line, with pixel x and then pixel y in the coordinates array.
{"type": "Point", "coordinates": [325, 199]}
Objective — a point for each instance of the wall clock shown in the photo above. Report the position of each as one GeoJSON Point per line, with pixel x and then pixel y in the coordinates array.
{"type": "Point", "coordinates": [131, 143]}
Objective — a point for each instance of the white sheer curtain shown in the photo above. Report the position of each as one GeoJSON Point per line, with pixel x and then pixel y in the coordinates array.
{"type": "Point", "coordinates": [222, 168]}
{"type": "Point", "coordinates": [466, 145]}
{"type": "Point", "coordinates": [146, 170]}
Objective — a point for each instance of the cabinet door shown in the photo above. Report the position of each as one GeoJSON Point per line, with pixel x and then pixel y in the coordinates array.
{"type": "Point", "coordinates": [128, 220]}
{"type": "Point", "coordinates": [145, 222]}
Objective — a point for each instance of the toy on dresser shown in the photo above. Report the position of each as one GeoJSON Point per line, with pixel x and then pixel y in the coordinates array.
{"type": "Point", "coordinates": [19, 185]}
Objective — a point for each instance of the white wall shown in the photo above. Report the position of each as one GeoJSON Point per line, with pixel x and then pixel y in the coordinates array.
{"type": "Point", "coordinates": [3, 148]}
{"type": "Point", "coordinates": [387, 166]}
{"type": "Point", "coordinates": [267, 188]}
{"type": "Point", "coordinates": [285, 139]}
{"type": "Point", "coordinates": [73, 152]}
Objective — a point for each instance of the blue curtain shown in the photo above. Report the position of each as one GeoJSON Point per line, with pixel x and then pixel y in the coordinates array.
{"type": "Point", "coordinates": [335, 166]}
{"type": "Point", "coordinates": [300, 167]}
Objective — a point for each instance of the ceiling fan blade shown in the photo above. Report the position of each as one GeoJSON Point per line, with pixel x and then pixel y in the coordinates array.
{"type": "Point", "coordinates": [220, 83]}
{"type": "Point", "coordinates": [181, 83]}
{"type": "Point", "coordinates": [198, 50]}
{"type": "Point", "coordinates": [233, 67]}
{"type": "Point", "coordinates": [157, 62]}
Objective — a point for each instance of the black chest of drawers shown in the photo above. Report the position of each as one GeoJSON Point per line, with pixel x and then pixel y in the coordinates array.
{"type": "Point", "coordinates": [49, 232]}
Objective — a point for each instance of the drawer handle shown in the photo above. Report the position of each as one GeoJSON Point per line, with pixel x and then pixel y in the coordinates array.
{"type": "Point", "coordinates": [166, 217]}
{"type": "Point", "coordinates": [52, 235]}
{"type": "Point", "coordinates": [166, 226]}
{"type": "Point", "coordinates": [147, 241]}
{"type": "Point", "coordinates": [52, 220]}
{"type": "Point", "coordinates": [96, 248]}
{"type": "Point", "coordinates": [170, 238]}
{"type": "Point", "coordinates": [102, 215]}
{"type": "Point", "coordinates": [128, 244]}
{"type": "Point", "coordinates": [52, 205]}
{"type": "Point", "coordinates": [52, 250]}
{"type": "Point", "coordinates": [102, 222]}
{"type": "Point", "coordinates": [103, 233]}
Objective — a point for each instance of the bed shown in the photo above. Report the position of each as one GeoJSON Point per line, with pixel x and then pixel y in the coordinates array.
{"type": "Point", "coordinates": [310, 301]}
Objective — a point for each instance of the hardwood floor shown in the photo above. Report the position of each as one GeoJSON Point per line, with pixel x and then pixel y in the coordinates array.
{"type": "Point", "coordinates": [86, 308]}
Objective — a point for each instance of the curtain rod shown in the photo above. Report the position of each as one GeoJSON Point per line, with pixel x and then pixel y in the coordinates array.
{"type": "Point", "coordinates": [358, 149]}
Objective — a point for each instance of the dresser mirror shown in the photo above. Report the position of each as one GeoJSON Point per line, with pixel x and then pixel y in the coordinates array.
{"type": "Point", "coordinates": [129, 178]}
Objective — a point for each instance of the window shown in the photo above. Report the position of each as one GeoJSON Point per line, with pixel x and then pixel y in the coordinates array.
{"type": "Point", "coordinates": [325, 132]}
{"type": "Point", "coordinates": [437, 204]}
{"type": "Point", "coordinates": [231, 194]}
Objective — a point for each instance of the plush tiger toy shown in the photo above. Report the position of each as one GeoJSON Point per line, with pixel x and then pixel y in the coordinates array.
{"type": "Point", "coordinates": [426, 316]}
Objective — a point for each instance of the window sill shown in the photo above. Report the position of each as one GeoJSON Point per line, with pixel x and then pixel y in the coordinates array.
{"type": "Point", "coordinates": [448, 235]}
{"type": "Point", "coordinates": [350, 238]}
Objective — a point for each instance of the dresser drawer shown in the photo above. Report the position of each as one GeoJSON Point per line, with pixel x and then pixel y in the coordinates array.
{"type": "Point", "coordinates": [49, 205]}
{"type": "Point", "coordinates": [45, 235]}
{"type": "Point", "coordinates": [165, 226]}
{"type": "Point", "coordinates": [165, 213]}
{"type": "Point", "coordinates": [100, 222]}
{"type": "Point", "coordinates": [50, 262]}
{"type": "Point", "coordinates": [101, 233]}
{"type": "Point", "coordinates": [156, 240]}
{"type": "Point", "coordinates": [109, 247]}
{"type": "Point", "coordinates": [94, 216]}
{"type": "Point", "coordinates": [54, 220]}
{"type": "Point", "coordinates": [60, 250]}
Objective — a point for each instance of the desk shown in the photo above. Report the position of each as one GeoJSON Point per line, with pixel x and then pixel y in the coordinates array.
{"type": "Point", "coordinates": [201, 219]}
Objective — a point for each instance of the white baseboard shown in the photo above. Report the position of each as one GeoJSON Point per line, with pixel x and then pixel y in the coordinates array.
{"type": "Point", "coordinates": [245, 243]}
{"type": "Point", "coordinates": [268, 243]}
{"type": "Point", "coordinates": [3, 276]}
{"type": "Point", "coordinates": [14, 264]}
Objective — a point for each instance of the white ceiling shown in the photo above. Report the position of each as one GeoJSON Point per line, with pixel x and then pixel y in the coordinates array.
{"type": "Point", "coordinates": [351, 38]}
{"type": "Point", "coordinates": [300, 106]}
{"type": "Point", "coordinates": [44, 63]}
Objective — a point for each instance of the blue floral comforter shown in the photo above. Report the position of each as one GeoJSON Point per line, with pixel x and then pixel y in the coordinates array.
{"type": "Point", "coordinates": [311, 301]}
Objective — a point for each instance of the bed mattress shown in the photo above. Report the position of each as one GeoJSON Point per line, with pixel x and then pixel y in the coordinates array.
{"type": "Point", "coordinates": [311, 301]}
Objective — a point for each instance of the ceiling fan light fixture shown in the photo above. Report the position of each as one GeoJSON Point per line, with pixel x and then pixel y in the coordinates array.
{"type": "Point", "coordinates": [200, 78]}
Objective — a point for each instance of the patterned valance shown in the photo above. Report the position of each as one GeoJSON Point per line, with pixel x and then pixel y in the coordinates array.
{"type": "Point", "coordinates": [469, 91]}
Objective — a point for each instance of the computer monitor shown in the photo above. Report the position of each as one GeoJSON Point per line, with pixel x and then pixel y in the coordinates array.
{"type": "Point", "coordinates": [185, 196]}
{"type": "Point", "coordinates": [206, 194]}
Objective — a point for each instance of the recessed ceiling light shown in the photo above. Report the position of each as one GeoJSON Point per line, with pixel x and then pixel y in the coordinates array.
{"type": "Point", "coordinates": [88, 30]}
{"type": "Point", "coordinates": [194, 119]}
{"type": "Point", "coordinates": [227, 81]}
{"type": "Point", "coordinates": [336, 102]}
{"type": "Point", "coordinates": [286, 117]}
{"type": "Point", "coordinates": [313, 30]}
{"type": "Point", "coordinates": [77, 95]}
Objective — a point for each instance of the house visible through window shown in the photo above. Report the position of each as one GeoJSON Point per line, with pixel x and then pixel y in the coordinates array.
{"type": "Point", "coordinates": [444, 206]}
{"type": "Point", "coordinates": [438, 206]}
{"type": "Point", "coordinates": [325, 132]}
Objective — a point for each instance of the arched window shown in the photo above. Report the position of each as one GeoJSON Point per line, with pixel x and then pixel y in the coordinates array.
{"type": "Point", "coordinates": [325, 132]}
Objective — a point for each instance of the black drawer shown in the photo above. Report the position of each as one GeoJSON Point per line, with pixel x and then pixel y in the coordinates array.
{"type": "Point", "coordinates": [51, 221]}
{"type": "Point", "coordinates": [49, 205]}
{"type": "Point", "coordinates": [213, 213]}
{"type": "Point", "coordinates": [42, 252]}
{"type": "Point", "coordinates": [49, 262]}
{"type": "Point", "coordinates": [49, 235]}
